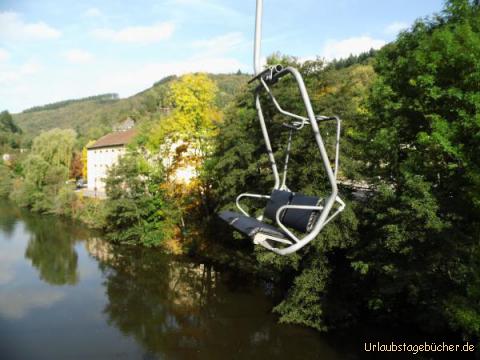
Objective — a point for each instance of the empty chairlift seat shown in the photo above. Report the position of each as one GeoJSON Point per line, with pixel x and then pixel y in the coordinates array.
{"type": "Point", "coordinates": [298, 219]}
{"type": "Point", "coordinates": [288, 214]}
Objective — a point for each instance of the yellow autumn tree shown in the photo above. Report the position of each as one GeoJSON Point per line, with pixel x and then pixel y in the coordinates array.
{"type": "Point", "coordinates": [85, 159]}
{"type": "Point", "coordinates": [184, 137]}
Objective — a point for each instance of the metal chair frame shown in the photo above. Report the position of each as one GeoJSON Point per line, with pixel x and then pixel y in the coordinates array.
{"type": "Point", "coordinates": [267, 78]}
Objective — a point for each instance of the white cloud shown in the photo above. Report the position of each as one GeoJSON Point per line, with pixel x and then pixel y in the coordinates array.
{"type": "Point", "coordinates": [121, 77]}
{"type": "Point", "coordinates": [337, 49]}
{"type": "Point", "coordinates": [93, 12]}
{"type": "Point", "coordinates": [13, 28]}
{"type": "Point", "coordinates": [137, 34]}
{"type": "Point", "coordinates": [4, 54]}
{"type": "Point", "coordinates": [17, 304]}
{"type": "Point", "coordinates": [127, 82]}
{"type": "Point", "coordinates": [29, 68]}
{"type": "Point", "coordinates": [395, 27]}
{"type": "Point", "coordinates": [211, 7]}
{"type": "Point", "coordinates": [14, 73]}
{"type": "Point", "coordinates": [220, 44]}
{"type": "Point", "coordinates": [78, 56]}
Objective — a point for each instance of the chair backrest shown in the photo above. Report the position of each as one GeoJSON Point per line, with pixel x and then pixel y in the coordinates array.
{"type": "Point", "coordinates": [301, 220]}
{"type": "Point", "coordinates": [278, 198]}
{"type": "Point", "coordinates": [298, 219]}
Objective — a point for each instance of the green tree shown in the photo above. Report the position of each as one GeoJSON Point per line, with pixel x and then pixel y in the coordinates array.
{"type": "Point", "coordinates": [10, 133]}
{"type": "Point", "coordinates": [46, 170]}
{"type": "Point", "coordinates": [420, 248]}
{"type": "Point", "coordinates": [193, 116]}
{"type": "Point", "coordinates": [6, 180]}
{"type": "Point", "coordinates": [137, 209]}
{"type": "Point", "coordinates": [7, 124]}
{"type": "Point", "coordinates": [184, 139]}
{"type": "Point", "coordinates": [55, 146]}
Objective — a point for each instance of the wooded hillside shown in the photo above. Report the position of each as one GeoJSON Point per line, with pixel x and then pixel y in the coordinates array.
{"type": "Point", "coordinates": [94, 116]}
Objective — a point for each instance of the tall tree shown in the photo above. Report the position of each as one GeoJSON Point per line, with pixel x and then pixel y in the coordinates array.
{"type": "Point", "coordinates": [46, 170]}
{"type": "Point", "coordinates": [421, 248]}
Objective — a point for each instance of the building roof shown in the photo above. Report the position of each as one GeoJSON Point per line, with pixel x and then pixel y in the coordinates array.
{"type": "Point", "coordinates": [118, 138]}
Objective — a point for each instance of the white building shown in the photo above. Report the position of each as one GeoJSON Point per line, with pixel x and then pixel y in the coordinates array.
{"type": "Point", "coordinates": [102, 155]}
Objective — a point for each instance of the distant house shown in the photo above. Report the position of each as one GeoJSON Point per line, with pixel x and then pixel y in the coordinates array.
{"type": "Point", "coordinates": [103, 154]}
{"type": "Point", "coordinates": [125, 125]}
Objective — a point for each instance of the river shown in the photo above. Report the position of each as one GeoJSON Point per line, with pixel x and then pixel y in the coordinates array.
{"type": "Point", "coordinates": [67, 294]}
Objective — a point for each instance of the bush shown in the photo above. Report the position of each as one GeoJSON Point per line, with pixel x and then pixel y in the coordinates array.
{"type": "Point", "coordinates": [138, 210]}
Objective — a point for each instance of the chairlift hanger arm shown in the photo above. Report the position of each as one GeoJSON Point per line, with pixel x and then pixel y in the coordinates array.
{"type": "Point", "coordinates": [279, 108]}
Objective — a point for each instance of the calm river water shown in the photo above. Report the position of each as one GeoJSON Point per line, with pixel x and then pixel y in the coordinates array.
{"type": "Point", "coordinates": [66, 294]}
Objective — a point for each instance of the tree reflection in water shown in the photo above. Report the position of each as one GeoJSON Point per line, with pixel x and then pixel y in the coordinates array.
{"type": "Point", "coordinates": [179, 309]}
{"type": "Point", "coordinates": [51, 249]}
{"type": "Point", "coordinates": [8, 218]}
{"type": "Point", "coordinates": [171, 307]}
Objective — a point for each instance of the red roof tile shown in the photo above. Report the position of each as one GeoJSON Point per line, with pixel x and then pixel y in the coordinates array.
{"type": "Point", "coordinates": [117, 138]}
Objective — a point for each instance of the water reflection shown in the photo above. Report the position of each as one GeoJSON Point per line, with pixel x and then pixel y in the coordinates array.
{"type": "Point", "coordinates": [8, 218]}
{"type": "Point", "coordinates": [129, 303]}
{"type": "Point", "coordinates": [179, 309]}
{"type": "Point", "coordinates": [51, 251]}
{"type": "Point", "coordinates": [16, 305]}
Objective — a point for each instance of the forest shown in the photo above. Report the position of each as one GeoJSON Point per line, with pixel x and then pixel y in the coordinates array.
{"type": "Point", "coordinates": [406, 249]}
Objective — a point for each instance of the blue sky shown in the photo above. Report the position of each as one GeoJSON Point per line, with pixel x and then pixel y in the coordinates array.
{"type": "Point", "coordinates": [52, 50]}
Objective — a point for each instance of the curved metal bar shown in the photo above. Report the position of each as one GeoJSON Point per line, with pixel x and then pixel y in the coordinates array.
{"type": "Point", "coordinates": [261, 238]}
{"type": "Point", "coordinates": [279, 108]}
{"type": "Point", "coordinates": [298, 207]}
{"type": "Point", "coordinates": [256, 196]}
{"type": "Point", "coordinates": [287, 158]}
{"type": "Point", "coordinates": [337, 139]}
{"type": "Point", "coordinates": [339, 210]}
{"type": "Point", "coordinates": [315, 129]}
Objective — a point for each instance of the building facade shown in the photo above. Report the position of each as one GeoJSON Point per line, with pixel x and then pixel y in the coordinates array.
{"type": "Point", "coordinates": [102, 155]}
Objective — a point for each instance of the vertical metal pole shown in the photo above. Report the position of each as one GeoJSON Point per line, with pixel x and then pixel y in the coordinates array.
{"type": "Point", "coordinates": [258, 68]}
{"type": "Point", "coordinates": [337, 147]}
{"type": "Point", "coordinates": [258, 38]}
{"type": "Point", "coordinates": [268, 145]}
{"type": "Point", "coordinates": [287, 157]}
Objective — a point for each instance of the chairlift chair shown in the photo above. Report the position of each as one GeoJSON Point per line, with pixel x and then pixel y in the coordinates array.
{"type": "Point", "coordinates": [291, 212]}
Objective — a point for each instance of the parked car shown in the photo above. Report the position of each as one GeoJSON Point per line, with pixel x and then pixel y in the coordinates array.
{"type": "Point", "coordinates": [81, 183]}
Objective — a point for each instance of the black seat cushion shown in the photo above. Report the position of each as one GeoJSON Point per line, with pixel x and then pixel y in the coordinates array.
{"type": "Point", "coordinates": [301, 220]}
{"type": "Point", "coordinates": [248, 225]}
{"type": "Point", "coordinates": [278, 198]}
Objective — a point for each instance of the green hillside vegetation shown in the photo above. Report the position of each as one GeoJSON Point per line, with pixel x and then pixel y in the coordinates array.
{"type": "Point", "coordinates": [59, 104]}
{"type": "Point", "coordinates": [10, 133]}
{"type": "Point", "coordinates": [94, 116]}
